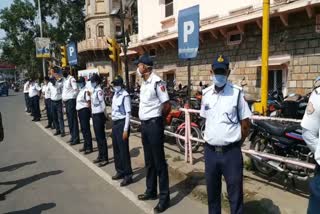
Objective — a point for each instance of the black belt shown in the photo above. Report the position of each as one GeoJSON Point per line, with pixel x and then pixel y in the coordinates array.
{"type": "Point", "coordinates": [115, 122]}
{"type": "Point", "coordinates": [223, 149]}
{"type": "Point", "coordinates": [151, 120]}
{"type": "Point", "coordinates": [56, 101]}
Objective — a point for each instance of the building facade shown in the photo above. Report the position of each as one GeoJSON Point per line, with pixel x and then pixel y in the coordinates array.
{"type": "Point", "coordinates": [235, 30]}
{"type": "Point", "coordinates": [99, 25]}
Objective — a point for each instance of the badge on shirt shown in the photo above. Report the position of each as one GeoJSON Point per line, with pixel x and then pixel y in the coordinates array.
{"type": "Point", "coordinates": [162, 86]}
{"type": "Point", "coordinates": [310, 108]}
{"type": "Point", "coordinates": [206, 107]}
{"type": "Point", "coordinates": [100, 93]}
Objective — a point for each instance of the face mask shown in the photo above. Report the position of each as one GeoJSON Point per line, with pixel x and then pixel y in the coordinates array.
{"type": "Point", "coordinates": [117, 88]}
{"type": "Point", "coordinates": [80, 85]}
{"type": "Point", "coordinates": [219, 80]}
{"type": "Point", "coordinates": [139, 73]}
{"type": "Point", "coordinates": [94, 84]}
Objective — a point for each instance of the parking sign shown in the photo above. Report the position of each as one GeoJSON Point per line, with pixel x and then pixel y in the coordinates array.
{"type": "Point", "coordinates": [72, 53]}
{"type": "Point", "coordinates": [188, 32]}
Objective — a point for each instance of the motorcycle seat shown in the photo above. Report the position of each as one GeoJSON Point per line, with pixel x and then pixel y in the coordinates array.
{"type": "Point", "coordinates": [277, 128]}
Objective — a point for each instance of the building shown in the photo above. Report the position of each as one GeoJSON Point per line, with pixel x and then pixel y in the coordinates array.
{"type": "Point", "coordinates": [235, 30]}
{"type": "Point", "coordinates": [99, 25]}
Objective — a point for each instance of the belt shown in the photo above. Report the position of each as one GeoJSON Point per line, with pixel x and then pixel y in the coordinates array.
{"type": "Point", "coordinates": [115, 122]}
{"type": "Point", "coordinates": [151, 120]}
{"type": "Point", "coordinates": [223, 149]}
{"type": "Point", "coordinates": [56, 101]}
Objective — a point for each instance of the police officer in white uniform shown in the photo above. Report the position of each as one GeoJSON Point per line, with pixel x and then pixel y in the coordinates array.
{"type": "Point", "coordinates": [47, 101]}
{"type": "Point", "coordinates": [69, 95]}
{"type": "Point", "coordinates": [83, 107]}
{"type": "Point", "coordinates": [121, 110]}
{"type": "Point", "coordinates": [56, 85]}
{"type": "Point", "coordinates": [98, 118]}
{"type": "Point", "coordinates": [26, 96]}
{"type": "Point", "coordinates": [227, 125]}
{"type": "Point", "coordinates": [34, 90]}
{"type": "Point", "coordinates": [153, 109]}
{"type": "Point", "coordinates": [310, 133]}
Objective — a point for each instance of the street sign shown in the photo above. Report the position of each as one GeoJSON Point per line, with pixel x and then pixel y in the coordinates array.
{"type": "Point", "coordinates": [42, 47]}
{"type": "Point", "coordinates": [72, 53]}
{"type": "Point", "coordinates": [188, 32]}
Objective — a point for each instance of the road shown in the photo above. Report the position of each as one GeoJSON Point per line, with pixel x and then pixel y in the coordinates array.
{"type": "Point", "coordinates": [38, 175]}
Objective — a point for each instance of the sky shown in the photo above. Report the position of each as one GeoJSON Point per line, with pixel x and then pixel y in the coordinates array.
{"type": "Point", "coordinates": [4, 4]}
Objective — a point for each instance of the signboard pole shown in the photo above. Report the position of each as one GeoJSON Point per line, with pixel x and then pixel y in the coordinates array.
{"type": "Point", "coordinates": [189, 82]}
{"type": "Point", "coordinates": [41, 35]}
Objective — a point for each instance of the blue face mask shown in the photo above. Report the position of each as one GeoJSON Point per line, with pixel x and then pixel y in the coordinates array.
{"type": "Point", "coordinates": [219, 80]}
{"type": "Point", "coordinates": [117, 88]}
{"type": "Point", "coordinates": [81, 85]}
{"type": "Point", "coordinates": [94, 84]}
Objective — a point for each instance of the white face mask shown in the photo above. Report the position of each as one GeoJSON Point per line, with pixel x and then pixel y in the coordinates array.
{"type": "Point", "coordinates": [139, 73]}
{"type": "Point", "coordinates": [117, 88]}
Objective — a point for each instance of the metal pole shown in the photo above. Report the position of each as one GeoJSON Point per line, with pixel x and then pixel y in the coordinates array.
{"type": "Point", "coordinates": [125, 45]}
{"type": "Point", "coordinates": [41, 35]}
{"type": "Point", "coordinates": [265, 56]}
{"type": "Point", "coordinates": [189, 81]}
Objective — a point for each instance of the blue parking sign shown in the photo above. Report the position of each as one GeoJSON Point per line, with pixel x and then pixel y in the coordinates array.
{"type": "Point", "coordinates": [188, 32]}
{"type": "Point", "coordinates": [72, 53]}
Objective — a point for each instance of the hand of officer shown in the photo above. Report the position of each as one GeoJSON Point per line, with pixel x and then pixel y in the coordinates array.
{"type": "Point", "coordinates": [125, 135]}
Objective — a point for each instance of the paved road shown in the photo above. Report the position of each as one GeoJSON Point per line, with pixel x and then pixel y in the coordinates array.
{"type": "Point", "coordinates": [37, 175]}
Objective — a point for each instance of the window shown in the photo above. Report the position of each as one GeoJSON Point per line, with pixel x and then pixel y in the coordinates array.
{"type": "Point", "coordinates": [168, 8]}
{"type": "Point", "coordinates": [275, 80]}
{"type": "Point", "coordinates": [118, 29]}
{"type": "Point", "coordinates": [100, 31]}
{"type": "Point", "coordinates": [170, 79]}
{"type": "Point", "coordinates": [88, 2]}
{"type": "Point", "coordinates": [89, 33]}
{"type": "Point", "coordinates": [234, 38]}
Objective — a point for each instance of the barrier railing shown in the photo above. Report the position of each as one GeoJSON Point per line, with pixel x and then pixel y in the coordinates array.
{"type": "Point", "coordinates": [188, 138]}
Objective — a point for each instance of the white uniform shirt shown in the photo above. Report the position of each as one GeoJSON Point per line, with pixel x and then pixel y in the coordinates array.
{"type": "Point", "coordinates": [56, 90]}
{"type": "Point", "coordinates": [97, 101]}
{"type": "Point", "coordinates": [153, 94]}
{"type": "Point", "coordinates": [26, 87]}
{"type": "Point", "coordinates": [220, 111]}
{"type": "Point", "coordinates": [82, 99]}
{"type": "Point", "coordinates": [121, 104]}
{"type": "Point", "coordinates": [34, 89]}
{"type": "Point", "coordinates": [311, 118]}
{"type": "Point", "coordinates": [70, 89]}
{"type": "Point", "coordinates": [46, 91]}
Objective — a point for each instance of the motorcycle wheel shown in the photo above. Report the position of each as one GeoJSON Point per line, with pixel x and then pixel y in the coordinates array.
{"type": "Point", "coordinates": [195, 132]}
{"type": "Point", "coordinates": [258, 144]}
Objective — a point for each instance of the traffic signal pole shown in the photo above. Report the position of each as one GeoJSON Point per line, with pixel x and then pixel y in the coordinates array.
{"type": "Point", "coordinates": [41, 35]}
{"type": "Point", "coordinates": [125, 46]}
{"type": "Point", "coordinates": [265, 56]}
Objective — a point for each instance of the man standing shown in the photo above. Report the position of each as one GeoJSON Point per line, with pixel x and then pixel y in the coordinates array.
{"type": "Point", "coordinates": [69, 96]}
{"type": "Point", "coordinates": [154, 107]}
{"type": "Point", "coordinates": [34, 90]}
{"type": "Point", "coordinates": [47, 101]}
{"type": "Point", "coordinates": [26, 95]}
{"type": "Point", "coordinates": [1, 129]}
{"type": "Point", "coordinates": [310, 133]}
{"type": "Point", "coordinates": [227, 125]}
{"type": "Point", "coordinates": [55, 87]}
{"type": "Point", "coordinates": [121, 109]}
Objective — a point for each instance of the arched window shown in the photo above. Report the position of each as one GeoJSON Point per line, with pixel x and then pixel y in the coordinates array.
{"type": "Point", "coordinates": [100, 30]}
{"type": "Point", "coordinates": [88, 33]}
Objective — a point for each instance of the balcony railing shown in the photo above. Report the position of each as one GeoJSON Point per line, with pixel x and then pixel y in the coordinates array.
{"type": "Point", "coordinates": [99, 43]}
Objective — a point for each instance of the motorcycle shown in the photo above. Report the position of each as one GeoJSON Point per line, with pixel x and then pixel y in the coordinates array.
{"type": "Point", "coordinates": [282, 139]}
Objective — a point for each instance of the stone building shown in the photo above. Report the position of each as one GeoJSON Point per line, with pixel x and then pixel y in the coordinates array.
{"type": "Point", "coordinates": [235, 31]}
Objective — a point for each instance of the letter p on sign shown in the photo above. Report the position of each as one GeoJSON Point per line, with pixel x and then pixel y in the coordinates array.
{"type": "Point", "coordinates": [71, 50]}
{"type": "Point", "coordinates": [188, 29]}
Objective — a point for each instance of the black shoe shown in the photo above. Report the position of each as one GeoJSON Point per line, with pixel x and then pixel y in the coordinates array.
{"type": "Point", "coordinates": [103, 163]}
{"type": "Point", "coordinates": [145, 197]}
{"type": "Point", "coordinates": [88, 152]}
{"type": "Point", "coordinates": [63, 134]}
{"type": "Point", "coordinates": [117, 176]}
{"type": "Point", "coordinates": [81, 150]}
{"type": "Point", "coordinates": [48, 127]}
{"type": "Point", "coordinates": [161, 207]}
{"type": "Point", "coordinates": [97, 160]}
{"type": "Point", "coordinates": [57, 133]}
{"type": "Point", "coordinates": [126, 181]}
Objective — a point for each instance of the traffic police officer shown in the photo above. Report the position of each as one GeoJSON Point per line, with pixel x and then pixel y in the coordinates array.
{"type": "Point", "coordinates": [121, 109]}
{"type": "Point", "coordinates": [69, 95]}
{"type": "Point", "coordinates": [227, 125]}
{"type": "Point", "coordinates": [56, 85]}
{"type": "Point", "coordinates": [98, 118]}
{"type": "Point", "coordinates": [26, 96]}
{"type": "Point", "coordinates": [47, 101]}
{"type": "Point", "coordinates": [34, 90]}
{"type": "Point", "coordinates": [310, 133]}
{"type": "Point", "coordinates": [83, 107]}
{"type": "Point", "coordinates": [154, 107]}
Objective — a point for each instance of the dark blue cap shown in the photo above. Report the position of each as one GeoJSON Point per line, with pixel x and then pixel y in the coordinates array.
{"type": "Point", "coordinates": [145, 59]}
{"type": "Point", "coordinates": [220, 62]}
{"type": "Point", "coordinates": [118, 81]}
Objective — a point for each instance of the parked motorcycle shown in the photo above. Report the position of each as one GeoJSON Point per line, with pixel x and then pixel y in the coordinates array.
{"type": "Point", "coordinates": [282, 139]}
